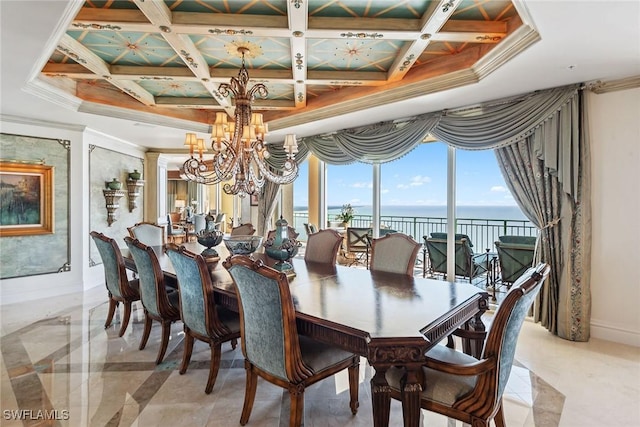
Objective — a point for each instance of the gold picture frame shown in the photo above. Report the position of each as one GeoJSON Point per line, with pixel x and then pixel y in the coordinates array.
{"type": "Point", "coordinates": [26, 199]}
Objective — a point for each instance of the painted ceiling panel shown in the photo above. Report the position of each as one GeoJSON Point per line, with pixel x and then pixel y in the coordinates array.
{"type": "Point", "coordinates": [174, 88]}
{"type": "Point", "coordinates": [137, 54]}
{"type": "Point", "coordinates": [359, 55]}
{"type": "Point", "coordinates": [222, 51]}
{"type": "Point", "coordinates": [126, 48]}
{"type": "Point", "coordinates": [408, 9]}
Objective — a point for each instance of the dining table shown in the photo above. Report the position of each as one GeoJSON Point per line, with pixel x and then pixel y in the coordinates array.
{"type": "Point", "coordinates": [390, 319]}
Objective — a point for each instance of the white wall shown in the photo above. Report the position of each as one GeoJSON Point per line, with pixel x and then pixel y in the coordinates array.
{"type": "Point", "coordinates": [81, 276]}
{"type": "Point", "coordinates": [614, 123]}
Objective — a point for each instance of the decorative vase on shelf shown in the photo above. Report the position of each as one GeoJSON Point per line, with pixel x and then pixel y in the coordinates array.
{"type": "Point", "coordinates": [135, 175]}
{"type": "Point", "coordinates": [115, 184]}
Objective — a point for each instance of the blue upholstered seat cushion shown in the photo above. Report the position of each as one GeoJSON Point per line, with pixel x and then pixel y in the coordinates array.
{"type": "Point", "coordinates": [319, 356]}
{"type": "Point", "coordinates": [440, 387]}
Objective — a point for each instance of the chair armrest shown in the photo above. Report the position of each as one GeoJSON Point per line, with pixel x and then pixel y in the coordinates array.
{"type": "Point", "coordinates": [469, 334]}
{"type": "Point", "coordinates": [477, 368]}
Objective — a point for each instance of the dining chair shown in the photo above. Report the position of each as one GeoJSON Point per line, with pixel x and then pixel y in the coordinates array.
{"type": "Point", "coordinates": [291, 232]}
{"type": "Point", "coordinates": [243, 230]}
{"type": "Point", "coordinates": [119, 287]}
{"type": "Point", "coordinates": [161, 302]}
{"type": "Point", "coordinates": [175, 232]}
{"type": "Point", "coordinates": [467, 389]}
{"type": "Point", "coordinates": [271, 345]}
{"type": "Point", "coordinates": [148, 233]}
{"type": "Point", "coordinates": [323, 246]}
{"type": "Point", "coordinates": [202, 317]}
{"type": "Point", "coordinates": [394, 253]}
{"type": "Point", "coordinates": [199, 223]}
{"type": "Point", "coordinates": [358, 245]}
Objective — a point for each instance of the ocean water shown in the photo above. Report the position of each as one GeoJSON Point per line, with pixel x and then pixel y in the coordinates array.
{"type": "Point", "coordinates": [477, 212]}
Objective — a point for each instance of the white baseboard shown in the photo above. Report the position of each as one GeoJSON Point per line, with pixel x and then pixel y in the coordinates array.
{"type": "Point", "coordinates": [606, 332]}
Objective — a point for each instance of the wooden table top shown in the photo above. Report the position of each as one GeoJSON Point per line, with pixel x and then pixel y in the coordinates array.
{"type": "Point", "coordinates": [378, 304]}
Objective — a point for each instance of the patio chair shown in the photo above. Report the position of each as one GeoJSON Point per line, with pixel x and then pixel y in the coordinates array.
{"type": "Point", "coordinates": [271, 345]}
{"type": "Point", "coordinates": [515, 256]}
{"type": "Point", "coordinates": [203, 318]}
{"type": "Point", "coordinates": [119, 287]}
{"type": "Point", "coordinates": [161, 302]}
{"type": "Point", "coordinates": [467, 264]}
{"type": "Point", "coordinates": [148, 233]}
{"type": "Point", "coordinates": [358, 245]}
{"type": "Point", "coordinates": [394, 253]}
{"type": "Point", "coordinates": [467, 389]}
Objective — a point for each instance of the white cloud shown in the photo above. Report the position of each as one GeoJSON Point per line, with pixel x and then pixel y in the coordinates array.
{"type": "Point", "coordinates": [361, 185]}
{"type": "Point", "coordinates": [498, 189]}
{"type": "Point", "coordinates": [419, 180]}
{"type": "Point", "coordinates": [384, 191]}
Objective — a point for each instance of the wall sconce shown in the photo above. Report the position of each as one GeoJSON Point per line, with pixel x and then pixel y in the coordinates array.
{"type": "Point", "coordinates": [134, 184]}
{"type": "Point", "coordinates": [112, 199]}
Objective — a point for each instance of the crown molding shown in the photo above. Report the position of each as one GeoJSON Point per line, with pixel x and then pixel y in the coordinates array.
{"type": "Point", "coordinates": [142, 117]}
{"type": "Point", "coordinates": [600, 87]}
{"type": "Point", "coordinates": [515, 43]}
{"type": "Point", "coordinates": [37, 122]}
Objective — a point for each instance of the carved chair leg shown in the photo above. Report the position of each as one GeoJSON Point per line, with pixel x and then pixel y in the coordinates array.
{"type": "Point", "coordinates": [188, 349]}
{"type": "Point", "coordinates": [249, 393]}
{"type": "Point", "coordinates": [354, 373]}
{"type": "Point", "coordinates": [213, 366]}
{"type": "Point", "coordinates": [147, 330]}
{"type": "Point", "coordinates": [125, 317]}
{"type": "Point", "coordinates": [113, 304]}
{"type": "Point", "coordinates": [234, 343]}
{"type": "Point", "coordinates": [296, 395]}
{"type": "Point", "coordinates": [166, 331]}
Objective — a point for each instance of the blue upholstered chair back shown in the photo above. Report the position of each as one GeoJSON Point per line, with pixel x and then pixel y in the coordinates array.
{"type": "Point", "coordinates": [509, 339]}
{"type": "Point", "coordinates": [394, 253]}
{"type": "Point", "coordinates": [192, 298]}
{"type": "Point", "coordinates": [111, 267]}
{"type": "Point", "coordinates": [263, 340]}
{"type": "Point", "coordinates": [147, 275]}
{"type": "Point", "coordinates": [147, 233]}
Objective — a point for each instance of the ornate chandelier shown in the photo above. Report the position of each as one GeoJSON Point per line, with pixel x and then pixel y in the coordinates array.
{"type": "Point", "coordinates": [239, 146]}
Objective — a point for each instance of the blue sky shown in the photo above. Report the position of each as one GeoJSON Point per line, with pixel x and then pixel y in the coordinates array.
{"type": "Point", "coordinates": [419, 178]}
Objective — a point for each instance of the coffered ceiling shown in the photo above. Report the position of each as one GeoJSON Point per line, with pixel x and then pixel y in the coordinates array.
{"type": "Point", "coordinates": [318, 59]}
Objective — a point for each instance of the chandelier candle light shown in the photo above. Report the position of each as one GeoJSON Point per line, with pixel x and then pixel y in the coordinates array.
{"type": "Point", "coordinates": [239, 146]}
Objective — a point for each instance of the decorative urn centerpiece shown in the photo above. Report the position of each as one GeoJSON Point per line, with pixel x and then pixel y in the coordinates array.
{"type": "Point", "coordinates": [209, 237]}
{"type": "Point", "coordinates": [281, 247]}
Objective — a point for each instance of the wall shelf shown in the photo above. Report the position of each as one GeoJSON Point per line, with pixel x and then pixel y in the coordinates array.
{"type": "Point", "coordinates": [112, 199]}
{"type": "Point", "coordinates": [133, 187]}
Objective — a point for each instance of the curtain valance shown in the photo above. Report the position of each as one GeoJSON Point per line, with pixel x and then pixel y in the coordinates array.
{"type": "Point", "coordinates": [547, 115]}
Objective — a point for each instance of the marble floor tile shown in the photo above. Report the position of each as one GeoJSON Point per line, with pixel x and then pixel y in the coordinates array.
{"type": "Point", "coordinates": [56, 355]}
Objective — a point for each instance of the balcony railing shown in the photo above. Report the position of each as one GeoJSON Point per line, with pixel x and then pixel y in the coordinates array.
{"type": "Point", "coordinates": [482, 232]}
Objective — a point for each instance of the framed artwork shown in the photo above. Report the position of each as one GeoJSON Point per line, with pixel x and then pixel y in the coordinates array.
{"type": "Point", "coordinates": [26, 199]}
{"type": "Point", "coordinates": [253, 200]}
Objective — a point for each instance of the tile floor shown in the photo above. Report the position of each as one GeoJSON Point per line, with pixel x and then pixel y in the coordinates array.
{"type": "Point", "coordinates": [56, 355]}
